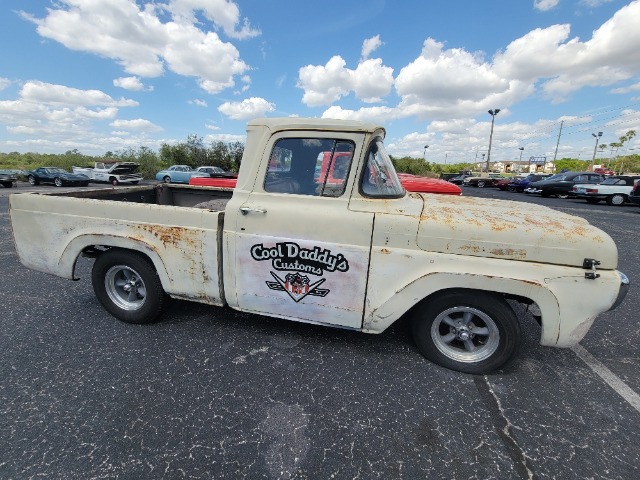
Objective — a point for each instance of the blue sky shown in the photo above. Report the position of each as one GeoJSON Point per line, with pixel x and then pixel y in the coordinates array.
{"type": "Point", "coordinates": [100, 76]}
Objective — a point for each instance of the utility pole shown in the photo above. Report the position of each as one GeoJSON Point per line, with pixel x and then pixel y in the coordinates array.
{"type": "Point", "coordinates": [558, 143]}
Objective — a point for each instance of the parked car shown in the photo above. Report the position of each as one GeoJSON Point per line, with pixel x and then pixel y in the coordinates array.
{"type": "Point", "coordinates": [503, 183]}
{"type": "Point", "coordinates": [459, 179]}
{"type": "Point", "coordinates": [604, 171]}
{"type": "Point", "coordinates": [561, 184]}
{"type": "Point", "coordinates": [216, 172]}
{"type": "Point", "coordinates": [482, 182]}
{"type": "Point", "coordinates": [520, 184]}
{"type": "Point", "coordinates": [178, 174]}
{"type": "Point", "coordinates": [57, 176]}
{"type": "Point", "coordinates": [634, 196]}
{"type": "Point", "coordinates": [615, 190]}
{"type": "Point", "coordinates": [8, 178]}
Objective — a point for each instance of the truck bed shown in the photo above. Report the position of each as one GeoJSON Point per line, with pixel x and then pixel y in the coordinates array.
{"type": "Point", "coordinates": [179, 228]}
{"type": "Point", "coordinates": [163, 194]}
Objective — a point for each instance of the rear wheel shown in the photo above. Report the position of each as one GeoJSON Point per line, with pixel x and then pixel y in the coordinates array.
{"type": "Point", "coordinates": [128, 286]}
{"type": "Point", "coordinates": [468, 331]}
{"type": "Point", "coordinates": [33, 180]}
{"type": "Point", "coordinates": [481, 184]}
{"type": "Point", "coordinates": [616, 200]}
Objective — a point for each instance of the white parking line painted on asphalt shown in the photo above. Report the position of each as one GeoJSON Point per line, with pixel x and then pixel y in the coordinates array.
{"type": "Point", "coordinates": [608, 376]}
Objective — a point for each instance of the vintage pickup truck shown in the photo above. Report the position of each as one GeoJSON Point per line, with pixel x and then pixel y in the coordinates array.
{"type": "Point", "coordinates": [358, 252]}
{"type": "Point", "coordinates": [111, 172]}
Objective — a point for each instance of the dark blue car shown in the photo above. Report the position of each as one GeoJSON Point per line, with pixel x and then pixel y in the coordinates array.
{"type": "Point", "coordinates": [521, 184]}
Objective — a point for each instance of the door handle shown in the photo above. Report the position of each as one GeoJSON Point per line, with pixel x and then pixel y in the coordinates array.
{"type": "Point", "coordinates": [246, 210]}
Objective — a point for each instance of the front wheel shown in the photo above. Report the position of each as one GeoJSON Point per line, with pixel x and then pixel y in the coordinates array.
{"type": "Point", "coordinates": [481, 184]}
{"type": "Point", "coordinates": [57, 182]}
{"type": "Point", "coordinates": [128, 286]}
{"type": "Point", "coordinates": [471, 332]}
{"type": "Point", "coordinates": [167, 179]}
{"type": "Point", "coordinates": [616, 200]}
{"type": "Point", "coordinates": [114, 182]}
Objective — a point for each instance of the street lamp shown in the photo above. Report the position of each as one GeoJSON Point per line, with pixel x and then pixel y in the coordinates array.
{"type": "Point", "coordinates": [520, 161]}
{"type": "Point", "coordinates": [424, 154]}
{"type": "Point", "coordinates": [595, 148]}
{"type": "Point", "coordinates": [493, 114]}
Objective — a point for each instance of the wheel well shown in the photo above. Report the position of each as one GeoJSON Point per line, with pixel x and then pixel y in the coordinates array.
{"type": "Point", "coordinates": [94, 251]}
{"type": "Point", "coordinates": [505, 296]}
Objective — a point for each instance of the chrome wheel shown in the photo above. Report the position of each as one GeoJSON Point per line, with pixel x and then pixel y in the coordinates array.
{"type": "Point", "coordinates": [57, 182]}
{"type": "Point", "coordinates": [125, 287]}
{"type": "Point", "coordinates": [465, 334]}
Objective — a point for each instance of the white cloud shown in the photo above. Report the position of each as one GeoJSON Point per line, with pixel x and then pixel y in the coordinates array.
{"type": "Point", "coordinates": [4, 83]}
{"type": "Point", "coordinates": [131, 83]}
{"type": "Point", "coordinates": [369, 46]}
{"type": "Point", "coordinates": [138, 124]}
{"type": "Point", "coordinates": [198, 102]}
{"type": "Point", "coordinates": [631, 88]}
{"type": "Point", "coordinates": [221, 12]}
{"type": "Point", "coordinates": [50, 94]}
{"type": "Point", "coordinates": [138, 39]}
{"type": "Point", "coordinates": [249, 108]}
{"type": "Point", "coordinates": [544, 5]}
{"type": "Point", "coordinates": [326, 84]}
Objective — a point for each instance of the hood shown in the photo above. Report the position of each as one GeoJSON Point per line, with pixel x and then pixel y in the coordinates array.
{"type": "Point", "coordinates": [511, 230]}
{"type": "Point", "coordinates": [123, 168]}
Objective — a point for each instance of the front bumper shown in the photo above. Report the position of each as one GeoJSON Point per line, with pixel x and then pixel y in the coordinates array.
{"type": "Point", "coordinates": [624, 288]}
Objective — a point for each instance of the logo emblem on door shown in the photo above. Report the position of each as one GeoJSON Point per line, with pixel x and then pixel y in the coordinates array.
{"type": "Point", "coordinates": [297, 286]}
{"type": "Point", "coordinates": [298, 263]}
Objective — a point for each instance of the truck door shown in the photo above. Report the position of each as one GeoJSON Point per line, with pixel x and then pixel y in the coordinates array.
{"type": "Point", "coordinates": [300, 252]}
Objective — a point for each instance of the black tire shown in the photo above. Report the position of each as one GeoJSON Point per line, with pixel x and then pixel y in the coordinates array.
{"type": "Point", "coordinates": [135, 182]}
{"type": "Point", "coordinates": [33, 180]}
{"type": "Point", "coordinates": [167, 179]}
{"type": "Point", "coordinates": [616, 200]}
{"type": "Point", "coordinates": [481, 184]}
{"type": "Point", "coordinates": [114, 181]}
{"type": "Point", "coordinates": [7, 184]}
{"type": "Point", "coordinates": [57, 182]}
{"type": "Point", "coordinates": [128, 286]}
{"type": "Point", "coordinates": [593, 201]}
{"type": "Point", "coordinates": [441, 329]}
{"type": "Point", "coordinates": [511, 189]}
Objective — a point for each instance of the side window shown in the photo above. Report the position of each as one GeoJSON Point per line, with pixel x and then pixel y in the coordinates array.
{"type": "Point", "coordinates": [309, 166]}
{"type": "Point", "coordinates": [379, 178]}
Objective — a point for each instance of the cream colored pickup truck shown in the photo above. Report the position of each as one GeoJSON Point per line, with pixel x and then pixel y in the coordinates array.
{"type": "Point", "coordinates": [355, 252]}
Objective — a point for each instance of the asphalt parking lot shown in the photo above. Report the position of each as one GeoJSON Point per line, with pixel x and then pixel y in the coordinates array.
{"type": "Point", "coordinates": [212, 393]}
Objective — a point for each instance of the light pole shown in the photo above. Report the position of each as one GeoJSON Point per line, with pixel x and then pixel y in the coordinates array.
{"type": "Point", "coordinates": [595, 148]}
{"type": "Point", "coordinates": [520, 161]}
{"type": "Point", "coordinates": [493, 114]}
{"type": "Point", "coordinates": [424, 154]}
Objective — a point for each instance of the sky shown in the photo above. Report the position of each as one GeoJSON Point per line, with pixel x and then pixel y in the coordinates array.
{"type": "Point", "coordinates": [101, 76]}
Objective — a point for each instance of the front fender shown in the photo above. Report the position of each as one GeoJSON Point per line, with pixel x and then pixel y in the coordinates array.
{"type": "Point", "coordinates": [379, 317]}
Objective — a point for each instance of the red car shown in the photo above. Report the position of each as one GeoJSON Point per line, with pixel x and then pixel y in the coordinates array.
{"type": "Point", "coordinates": [411, 183]}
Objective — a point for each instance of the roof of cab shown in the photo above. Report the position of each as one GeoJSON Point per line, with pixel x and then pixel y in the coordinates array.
{"type": "Point", "coordinates": [298, 123]}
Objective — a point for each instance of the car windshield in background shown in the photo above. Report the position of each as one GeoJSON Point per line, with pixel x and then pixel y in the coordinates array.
{"type": "Point", "coordinates": [56, 170]}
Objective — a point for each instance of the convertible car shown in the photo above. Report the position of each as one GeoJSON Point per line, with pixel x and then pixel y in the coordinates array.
{"type": "Point", "coordinates": [412, 183]}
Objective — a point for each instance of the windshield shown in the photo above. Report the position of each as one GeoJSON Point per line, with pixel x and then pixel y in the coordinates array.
{"type": "Point", "coordinates": [379, 178]}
